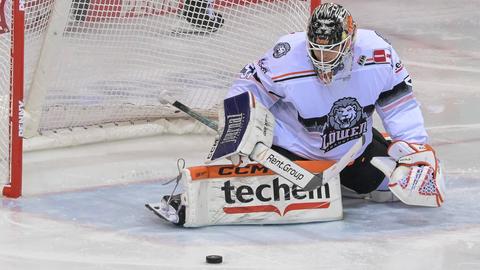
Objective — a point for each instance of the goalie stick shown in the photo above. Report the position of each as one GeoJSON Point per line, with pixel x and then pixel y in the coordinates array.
{"type": "Point", "coordinates": [276, 162]}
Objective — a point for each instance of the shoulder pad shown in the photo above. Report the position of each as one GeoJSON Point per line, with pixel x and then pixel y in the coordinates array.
{"type": "Point", "coordinates": [371, 49]}
{"type": "Point", "coordinates": [287, 56]}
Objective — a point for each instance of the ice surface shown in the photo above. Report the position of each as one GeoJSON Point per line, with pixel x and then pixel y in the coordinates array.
{"type": "Point", "coordinates": [81, 211]}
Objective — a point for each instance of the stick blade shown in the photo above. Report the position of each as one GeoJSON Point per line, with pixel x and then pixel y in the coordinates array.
{"type": "Point", "coordinates": [165, 98]}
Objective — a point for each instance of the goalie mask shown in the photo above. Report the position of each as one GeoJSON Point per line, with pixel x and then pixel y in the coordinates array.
{"type": "Point", "coordinates": [330, 34]}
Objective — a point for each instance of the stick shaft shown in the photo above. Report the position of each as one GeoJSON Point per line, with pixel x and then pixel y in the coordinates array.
{"type": "Point", "coordinates": [204, 120]}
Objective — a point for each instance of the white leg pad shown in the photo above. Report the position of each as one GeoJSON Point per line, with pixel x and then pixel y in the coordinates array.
{"type": "Point", "coordinates": [221, 195]}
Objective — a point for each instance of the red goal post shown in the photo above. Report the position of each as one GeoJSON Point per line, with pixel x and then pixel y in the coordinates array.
{"type": "Point", "coordinates": [12, 103]}
{"type": "Point", "coordinates": [95, 64]}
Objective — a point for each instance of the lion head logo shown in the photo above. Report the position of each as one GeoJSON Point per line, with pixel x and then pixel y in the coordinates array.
{"type": "Point", "coordinates": [345, 113]}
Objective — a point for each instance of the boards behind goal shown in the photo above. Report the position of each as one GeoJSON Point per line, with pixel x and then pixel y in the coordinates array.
{"type": "Point", "coordinates": [102, 64]}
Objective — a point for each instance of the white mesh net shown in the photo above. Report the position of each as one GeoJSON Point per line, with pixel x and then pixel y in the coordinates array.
{"type": "Point", "coordinates": [104, 62]}
{"type": "Point", "coordinates": [107, 61]}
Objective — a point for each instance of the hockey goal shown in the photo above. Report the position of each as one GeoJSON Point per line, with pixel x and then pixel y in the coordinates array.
{"type": "Point", "coordinates": [70, 67]}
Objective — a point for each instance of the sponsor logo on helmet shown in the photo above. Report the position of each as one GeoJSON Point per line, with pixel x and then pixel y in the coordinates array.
{"type": "Point", "coordinates": [331, 10]}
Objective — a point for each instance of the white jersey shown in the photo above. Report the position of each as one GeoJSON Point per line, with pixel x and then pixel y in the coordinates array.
{"type": "Point", "coordinates": [318, 121]}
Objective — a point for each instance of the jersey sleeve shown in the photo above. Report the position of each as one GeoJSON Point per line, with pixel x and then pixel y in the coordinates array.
{"type": "Point", "coordinates": [253, 78]}
{"type": "Point", "coordinates": [398, 107]}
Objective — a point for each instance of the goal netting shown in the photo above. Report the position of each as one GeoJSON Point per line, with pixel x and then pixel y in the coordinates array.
{"type": "Point", "coordinates": [92, 64]}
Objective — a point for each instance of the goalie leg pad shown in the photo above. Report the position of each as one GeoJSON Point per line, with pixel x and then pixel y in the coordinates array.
{"type": "Point", "coordinates": [224, 194]}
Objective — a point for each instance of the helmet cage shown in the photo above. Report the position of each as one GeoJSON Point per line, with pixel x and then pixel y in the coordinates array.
{"type": "Point", "coordinates": [341, 49]}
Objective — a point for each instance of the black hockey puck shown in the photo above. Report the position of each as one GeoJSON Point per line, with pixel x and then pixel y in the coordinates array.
{"type": "Point", "coordinates": [214, 259]}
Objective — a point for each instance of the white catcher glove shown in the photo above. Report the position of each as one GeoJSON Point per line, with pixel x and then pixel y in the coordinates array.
{"type": "Point", "coordinates": [414, 173]}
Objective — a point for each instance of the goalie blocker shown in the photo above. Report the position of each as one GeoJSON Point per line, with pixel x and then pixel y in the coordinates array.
{"type": "Point", "coordinates": [226, 194]}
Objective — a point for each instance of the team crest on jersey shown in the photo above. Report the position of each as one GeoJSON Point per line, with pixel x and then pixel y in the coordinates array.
{"type": "Point", "coordinates": [346, 121]}
{"type": "Point", "coordinates": [281, 49]}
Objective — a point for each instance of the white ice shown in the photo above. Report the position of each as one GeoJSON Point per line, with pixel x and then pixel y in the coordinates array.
{"type": "Point", "coordinates": [81, 211]}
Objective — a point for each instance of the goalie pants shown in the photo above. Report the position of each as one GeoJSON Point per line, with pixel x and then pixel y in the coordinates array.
{"type": "Point", "coordinates": [361, 176]}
